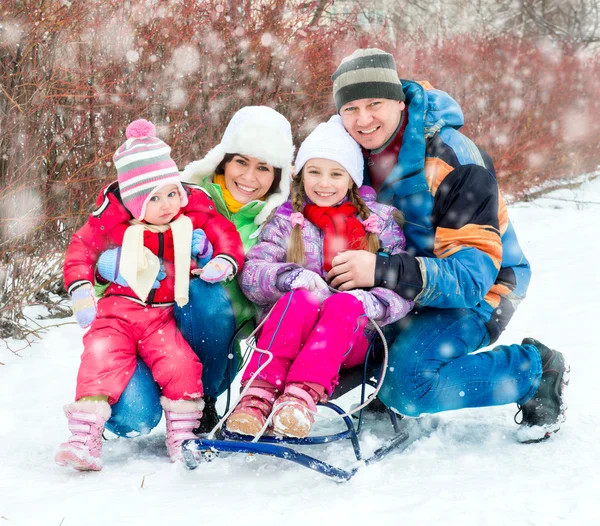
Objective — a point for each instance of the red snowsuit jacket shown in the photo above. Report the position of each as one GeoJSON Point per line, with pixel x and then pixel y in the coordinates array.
{"type": "Point", "coordinates": [106, 227]}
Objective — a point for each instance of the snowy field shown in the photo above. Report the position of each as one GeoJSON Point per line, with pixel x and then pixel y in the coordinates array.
{"type": "Point", "coordinates": [467, 470]}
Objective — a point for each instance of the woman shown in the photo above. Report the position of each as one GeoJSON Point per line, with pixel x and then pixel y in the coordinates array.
{"type": "Point", "coordinates": [247, 175]}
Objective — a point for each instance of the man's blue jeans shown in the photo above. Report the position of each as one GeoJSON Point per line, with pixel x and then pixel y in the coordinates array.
{"type": "Point", "coordinates": [208, 325]}
{"type": "Point", "coordinates": [433, 367]}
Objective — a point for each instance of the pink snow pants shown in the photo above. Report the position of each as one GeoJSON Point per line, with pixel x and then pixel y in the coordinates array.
{"type": "Point", "coordinates": [124, 330]}
{"type": "Point", "coordinates": [310, 342]}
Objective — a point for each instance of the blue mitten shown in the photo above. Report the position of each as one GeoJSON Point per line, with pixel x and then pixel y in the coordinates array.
{"type": "Point", "coordinates": [202, 249]}
{"type": "Point", "coordinates": [84, 305]}
{"type": "Point", "coordinates": [108, 268]}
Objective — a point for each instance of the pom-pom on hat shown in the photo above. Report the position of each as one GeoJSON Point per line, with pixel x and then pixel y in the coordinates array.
{"type": "Point", "coordinates": [256, 131]}
{"type": "Point", "coordinates": [144, 166]}
{"type": "Point", "coordinates": [330, 140]}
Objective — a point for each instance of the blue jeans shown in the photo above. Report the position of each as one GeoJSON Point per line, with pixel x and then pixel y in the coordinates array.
{"type": "Point", "coordinates": [207, 323]}
{"type": "Point", "coordinates": [432, 365]}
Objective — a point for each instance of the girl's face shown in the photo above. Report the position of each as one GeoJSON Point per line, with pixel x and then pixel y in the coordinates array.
{"type": "Point", "coordinates": [326, 182]}
{"type": "Point", "coordinates": [248, 178]}
{"type": "Point", "coordinates": [163, 205]}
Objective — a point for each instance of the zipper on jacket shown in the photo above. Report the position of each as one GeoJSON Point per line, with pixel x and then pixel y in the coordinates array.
{"type": "Point", "coordinates": [161, 249]}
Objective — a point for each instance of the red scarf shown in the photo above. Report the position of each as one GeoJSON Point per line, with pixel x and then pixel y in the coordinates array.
{"type": "Point", "coordinates": [342, 229]}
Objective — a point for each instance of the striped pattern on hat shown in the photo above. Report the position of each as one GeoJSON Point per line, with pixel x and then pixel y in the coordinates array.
{"type": "Point", "coordinates": [144, 165]}
{"type": "Point", "coordinates": [366, 74]}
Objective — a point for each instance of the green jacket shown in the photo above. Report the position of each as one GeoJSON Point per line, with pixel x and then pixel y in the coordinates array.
{"type": "Point", "coordinates": [243, 220]}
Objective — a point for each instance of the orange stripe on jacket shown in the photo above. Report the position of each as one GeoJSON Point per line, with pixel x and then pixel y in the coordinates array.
{"type": "Point", "coordinates": [436, 171]}
{"type": "Point", "coordinates": [502, 214]}
{"type": "Point", "coordinates": [448, 241]}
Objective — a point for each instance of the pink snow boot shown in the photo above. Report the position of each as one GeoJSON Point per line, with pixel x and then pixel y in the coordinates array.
{"type": "Point", "coordinates": [83, 450]}
{"type": "Point", "coordinates": [182, 416]}
{"type": "Point", "coordinates": [250, 415]}
{"type": "Point", "coordinates": [293, 412]}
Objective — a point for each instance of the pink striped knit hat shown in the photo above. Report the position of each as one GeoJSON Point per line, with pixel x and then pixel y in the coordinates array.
{"type": "Point", "coordinates": [144, 165]}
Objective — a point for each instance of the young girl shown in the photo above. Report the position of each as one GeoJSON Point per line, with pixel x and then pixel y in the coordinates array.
{"type": "Point", "coordinates": [135, 315]}
{"type": "Point", "coordinates": [312, 331]}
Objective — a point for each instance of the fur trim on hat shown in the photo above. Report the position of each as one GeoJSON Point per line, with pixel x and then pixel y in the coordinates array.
{"type": "Point", "coordinates": [256, 131]}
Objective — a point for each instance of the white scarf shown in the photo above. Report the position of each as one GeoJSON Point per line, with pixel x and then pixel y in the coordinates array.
{"type": "Point", "coordinates": [140, 267]}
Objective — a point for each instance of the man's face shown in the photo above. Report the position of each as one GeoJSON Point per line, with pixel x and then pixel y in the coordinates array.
{"type": "Point", "coordinates": [371, 122]}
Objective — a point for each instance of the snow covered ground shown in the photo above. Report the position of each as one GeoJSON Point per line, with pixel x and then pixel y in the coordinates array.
{"type": "Point", "coordinates": [468, 471]}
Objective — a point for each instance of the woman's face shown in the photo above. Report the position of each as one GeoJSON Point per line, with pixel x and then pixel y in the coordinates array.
{"type": "Point", "coordinates": [248, 178]}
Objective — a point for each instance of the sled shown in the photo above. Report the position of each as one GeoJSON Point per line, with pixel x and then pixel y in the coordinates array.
{"type": "Point", "coordinates": [207, 449]}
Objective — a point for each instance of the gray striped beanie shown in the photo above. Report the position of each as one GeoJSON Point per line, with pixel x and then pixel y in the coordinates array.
{"type": "Point", "coordinates": [366, 74]}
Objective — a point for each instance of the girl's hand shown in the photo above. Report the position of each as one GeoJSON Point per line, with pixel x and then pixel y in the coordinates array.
{"type": "Point", "coordinates": [311, 281]}
{"type": "Point", "coordinates": [373, 308]}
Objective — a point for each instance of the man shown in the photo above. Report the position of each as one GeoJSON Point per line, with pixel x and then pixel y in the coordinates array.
{"type": "Point", "coordinates": [465, 269]}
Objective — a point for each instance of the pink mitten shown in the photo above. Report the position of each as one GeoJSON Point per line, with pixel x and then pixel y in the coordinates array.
{"type": "Point", "coordinates": [217, 269]}
{"type": "Point", "coordinates": [311, 281]}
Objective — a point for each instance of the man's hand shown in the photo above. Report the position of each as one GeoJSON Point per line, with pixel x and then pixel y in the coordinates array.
{"type": "Point", "coordinates": [352, 269]}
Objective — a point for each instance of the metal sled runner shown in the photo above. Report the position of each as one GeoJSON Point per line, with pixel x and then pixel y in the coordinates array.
{"type": "Point", "coordinates": [207, 449]}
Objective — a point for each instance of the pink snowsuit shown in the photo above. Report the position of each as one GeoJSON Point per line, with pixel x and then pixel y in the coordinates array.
{"type": "Point", "coordinates": [124, 330]}
{"type": "Point", "coordinates": [311, 341]}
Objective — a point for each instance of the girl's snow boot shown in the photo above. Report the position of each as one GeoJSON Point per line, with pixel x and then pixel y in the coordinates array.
{"type": "Point", "coordinates": [83, 450]}
{"type": "Point", "coordinates": [252, 411]}
{"type": "Point", "coordinates": [294, 410]}
{"type": "Point", "coordinates": [182, 416]}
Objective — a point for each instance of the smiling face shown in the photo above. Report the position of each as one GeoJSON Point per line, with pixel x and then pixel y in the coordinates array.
{"type": "Point", "coordinates": [326, 182]}
{"type": "Point", "coordinates": [248, 178]}
{"type": "Point", "coordinates": [163, 206]}
{"type": "Point", "coordinates": [371, 122]}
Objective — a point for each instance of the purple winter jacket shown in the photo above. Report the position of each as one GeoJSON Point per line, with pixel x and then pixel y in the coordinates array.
{"type": "Point", "coordinates": [266, 261]}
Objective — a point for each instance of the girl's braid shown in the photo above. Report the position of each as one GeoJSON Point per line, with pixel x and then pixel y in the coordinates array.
{"type": "Point", "coordinates": [295, 251]}
{"type": "Point", "coordinates": [364, 213]}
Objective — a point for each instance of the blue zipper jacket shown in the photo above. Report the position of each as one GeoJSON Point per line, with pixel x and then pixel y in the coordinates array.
{"type": "Point", "coordinates": [462, 249]}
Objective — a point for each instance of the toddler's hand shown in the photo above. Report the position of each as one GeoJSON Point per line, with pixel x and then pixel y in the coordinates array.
{"type": "Point", "coordinates": [218, 269]}
{"type": "Point", "coordinates": [84, 305]}
{"type": "Point", "coordinates": [202, 249]}
{"type": "Point", "coordinates": [108, 268]}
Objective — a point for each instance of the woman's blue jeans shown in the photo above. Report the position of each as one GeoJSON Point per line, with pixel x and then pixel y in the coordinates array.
{"type": "Point", "coordinates": [433, 366]}
{"type": "Point", "coordinates": [207, 323]}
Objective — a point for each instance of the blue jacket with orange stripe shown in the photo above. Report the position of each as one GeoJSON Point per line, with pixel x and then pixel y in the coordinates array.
{"type": "Point", "coordinates": [462, 248]}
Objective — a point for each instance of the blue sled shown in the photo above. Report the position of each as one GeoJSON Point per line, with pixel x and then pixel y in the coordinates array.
{"type": "Point", "coordinates": [279, 447]}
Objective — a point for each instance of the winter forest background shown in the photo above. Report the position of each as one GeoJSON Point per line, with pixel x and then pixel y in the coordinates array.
{"type": "Point", "coordinates": [73, 74]}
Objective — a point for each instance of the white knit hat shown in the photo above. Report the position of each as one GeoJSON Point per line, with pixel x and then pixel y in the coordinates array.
{"type": "Point", "coordinates": [330, 140]}
{"type": "Point", "coordinates": [257, 131]}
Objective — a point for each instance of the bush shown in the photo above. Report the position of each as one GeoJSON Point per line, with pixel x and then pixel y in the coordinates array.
{"type": "Point", "coordinates": [72, 79]}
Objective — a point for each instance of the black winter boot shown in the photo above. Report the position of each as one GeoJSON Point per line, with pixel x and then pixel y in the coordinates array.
{"type": "Point", "coordinates": [545, 411]}
{"type": "Point", "coordinates": [210, 417]}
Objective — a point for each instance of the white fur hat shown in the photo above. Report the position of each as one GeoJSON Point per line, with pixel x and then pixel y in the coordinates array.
{"type": "Point", "coordinates": [330, 140]}
{"type": "Point", "coordinates": [257, 131]}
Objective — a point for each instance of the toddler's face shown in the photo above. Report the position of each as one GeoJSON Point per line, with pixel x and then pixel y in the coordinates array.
{"type": "Point", "coordinates": [326, 182]}
{"type": "Point", "coordinates": [163, 205]}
